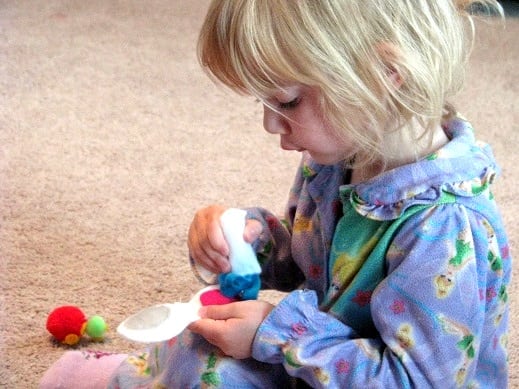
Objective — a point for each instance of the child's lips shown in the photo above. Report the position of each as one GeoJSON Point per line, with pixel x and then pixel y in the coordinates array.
{"type": "Point", "coordinates": [289, 147]}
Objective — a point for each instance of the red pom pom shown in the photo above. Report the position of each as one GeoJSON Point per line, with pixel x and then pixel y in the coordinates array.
{"type": "Point", "coordinates": [67, 324]}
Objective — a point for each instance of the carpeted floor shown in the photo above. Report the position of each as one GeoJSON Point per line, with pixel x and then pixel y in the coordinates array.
{"type": "Point", "coordinates": [111, 137]}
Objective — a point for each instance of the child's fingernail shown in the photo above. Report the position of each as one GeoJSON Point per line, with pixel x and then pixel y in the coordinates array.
{"type": "Point", "coordinates": [255, 230]}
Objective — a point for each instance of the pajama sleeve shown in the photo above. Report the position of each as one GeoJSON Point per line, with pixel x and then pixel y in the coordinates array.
{"type": "Point", "coordinates": [273, 249]}
{"type": "Point", "coordinates": [274, 246]}
{"type": "Point", "coordinates": [440, 314]}
{"type": "Point", "coordinates": [294, 250]}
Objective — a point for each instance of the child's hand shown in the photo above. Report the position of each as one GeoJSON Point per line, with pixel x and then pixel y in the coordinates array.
{"type": "Point", "coordinates": [206, 242]}
{"type": "Point", "coordinates": [232, 327]}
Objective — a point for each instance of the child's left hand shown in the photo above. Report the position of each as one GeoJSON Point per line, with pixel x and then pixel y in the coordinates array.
{"type": "Point", "coordinates": [232, 327]}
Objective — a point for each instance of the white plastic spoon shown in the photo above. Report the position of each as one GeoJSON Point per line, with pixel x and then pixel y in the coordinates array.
{"type": "Point", "coordinates": [164, 321]}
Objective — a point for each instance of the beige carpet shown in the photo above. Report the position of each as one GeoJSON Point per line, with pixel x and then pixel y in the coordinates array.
{"type": "Point", "coordinates": [111, 137]}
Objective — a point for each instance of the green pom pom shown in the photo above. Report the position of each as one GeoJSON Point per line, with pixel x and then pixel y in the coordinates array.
{"type": "Point", "coordinates": [96, 327]}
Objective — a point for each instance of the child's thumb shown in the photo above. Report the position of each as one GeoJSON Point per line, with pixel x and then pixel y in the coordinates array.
{"type": "Point", "coordinates": [253, 229]}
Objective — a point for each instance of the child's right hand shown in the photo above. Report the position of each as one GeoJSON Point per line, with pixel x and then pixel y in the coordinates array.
{"type": "Point", "coordinates": [206, 241]}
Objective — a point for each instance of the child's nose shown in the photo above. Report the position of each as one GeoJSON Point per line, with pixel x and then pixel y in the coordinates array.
{"type": "Point", "coordinates": [274, 122]}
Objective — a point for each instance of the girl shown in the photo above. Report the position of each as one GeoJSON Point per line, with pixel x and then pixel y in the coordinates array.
{"type": "Point", "coordinates": [392, 247]}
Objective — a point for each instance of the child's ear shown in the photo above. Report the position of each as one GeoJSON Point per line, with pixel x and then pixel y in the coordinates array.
{"type": "Point", "coordinates": [389, 54]}
{"type": "Point", "coordinates": [395, 77]}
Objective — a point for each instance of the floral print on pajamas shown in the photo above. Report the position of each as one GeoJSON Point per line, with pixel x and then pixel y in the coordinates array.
{"type": "Point", "coordinates": [397, 282]}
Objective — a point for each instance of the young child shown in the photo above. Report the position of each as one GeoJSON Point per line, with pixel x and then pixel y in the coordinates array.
{"type": "Point", "coordinates": [392, 247]}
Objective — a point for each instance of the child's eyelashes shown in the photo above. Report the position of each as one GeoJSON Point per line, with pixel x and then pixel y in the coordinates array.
{"type": "Point", "coordinates": [289, 104]}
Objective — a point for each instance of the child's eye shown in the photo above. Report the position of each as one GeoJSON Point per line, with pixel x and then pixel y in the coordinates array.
{"type": "Point", "coordinates": [289, 104]}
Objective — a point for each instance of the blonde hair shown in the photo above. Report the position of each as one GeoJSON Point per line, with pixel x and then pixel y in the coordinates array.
{"type": "Point", "coordinates": [346, 48]}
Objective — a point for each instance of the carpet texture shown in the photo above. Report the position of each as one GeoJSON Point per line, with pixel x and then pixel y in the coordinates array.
{"type": "Point", "coordinates": [111, 137]}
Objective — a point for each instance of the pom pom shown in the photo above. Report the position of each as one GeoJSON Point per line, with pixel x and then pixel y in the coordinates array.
{"type": "Point", "coordinates": [244, 287]}
{"type": "Point", "coordinates": [96, 327]}
{"type": "Point", "coordinates": [67, 324]}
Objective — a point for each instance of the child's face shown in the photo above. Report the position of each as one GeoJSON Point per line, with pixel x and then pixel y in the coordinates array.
{"type": "Point", "coordinates": [299, 122]}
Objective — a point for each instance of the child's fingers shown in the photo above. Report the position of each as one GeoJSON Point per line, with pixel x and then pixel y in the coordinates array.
{"type": "Point", "coordinates": [249, 309]}
{"type": "Point", "coordinates": [207, 258]}
{"type": "Point", "coordinates": [206, 243]}
{"type": "Point", "coordinates": [213, 321]}
{"type": "Point", "coordinates": [208, 328]}
{"type": "Point", "coordinates": [219, 312]}
{"type": "Point", "coordinates": [216, 238]}
{"type": "Point", "coordinates": [253, 229]}
{"type": "Point", "coordinates": [232, 327]}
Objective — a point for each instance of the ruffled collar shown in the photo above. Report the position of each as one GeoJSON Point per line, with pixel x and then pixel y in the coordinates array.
{"type": "Point", "coordinates": [463, 167]}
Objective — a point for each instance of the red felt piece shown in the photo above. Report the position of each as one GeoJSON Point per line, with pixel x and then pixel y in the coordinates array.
{"type": "Point", "coordinates": [215, 297]}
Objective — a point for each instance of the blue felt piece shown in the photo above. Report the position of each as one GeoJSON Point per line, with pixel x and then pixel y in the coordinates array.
{"type": "Point", "coordinates": [244, 287]}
